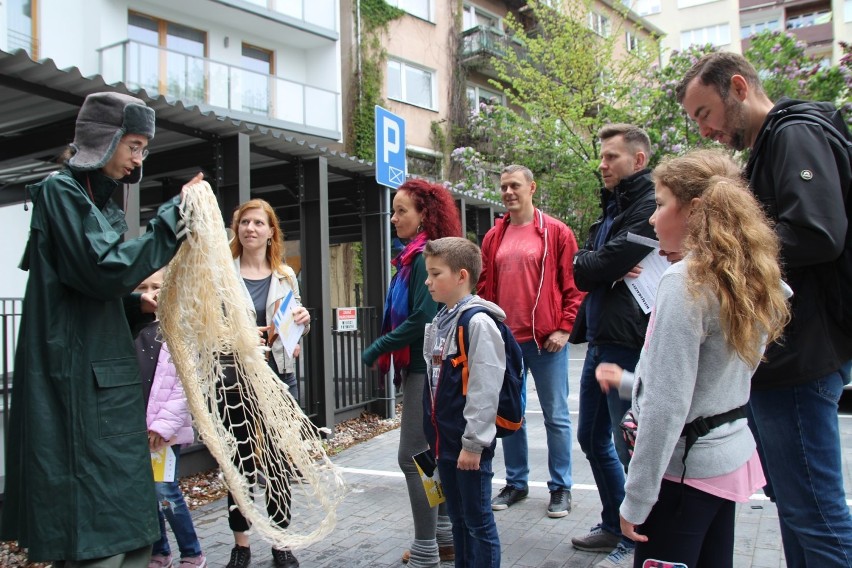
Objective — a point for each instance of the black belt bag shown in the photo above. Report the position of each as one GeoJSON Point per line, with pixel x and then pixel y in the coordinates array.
{"type": "Point", "coordinates": [701, 427]}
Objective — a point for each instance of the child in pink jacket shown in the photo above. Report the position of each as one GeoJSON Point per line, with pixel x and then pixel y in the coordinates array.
{"type": "Point", "coordinates": [169, 424]}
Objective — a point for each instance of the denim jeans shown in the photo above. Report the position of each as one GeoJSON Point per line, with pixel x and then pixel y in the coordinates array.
{"type": "Point", "coordinates": [173, 507]}
{"type": "Point", "coordinates": [475, 538]}
{"type": "Point", "coordinates": [597, 428]}
{"type": "Point", "coordinates": [550, 373]}
{"type": "Point", "coordinates": [798, 438]}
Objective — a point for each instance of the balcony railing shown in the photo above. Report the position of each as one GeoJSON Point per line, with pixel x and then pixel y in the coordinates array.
{"type": "Point", "coordinates": [481, 40]}
{"type": "Point", "coordinates": [19, 40]}
{"type": "Point", "coordinates": [201, 81]}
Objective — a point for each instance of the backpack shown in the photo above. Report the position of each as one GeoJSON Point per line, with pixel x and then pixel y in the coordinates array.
{"type": "Point", "coordinates": [838, 282]}
{"type": "Point", "coordinates": [512, 404]}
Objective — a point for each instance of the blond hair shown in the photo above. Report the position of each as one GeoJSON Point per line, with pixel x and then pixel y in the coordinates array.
{"type": "Point", "coordinates": [733, 251]}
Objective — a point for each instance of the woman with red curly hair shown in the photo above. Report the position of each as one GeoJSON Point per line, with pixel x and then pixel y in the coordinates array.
{"type": "Point", "coordinates": [421, 211]}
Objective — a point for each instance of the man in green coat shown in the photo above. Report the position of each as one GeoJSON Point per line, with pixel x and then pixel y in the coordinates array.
{"type": "Point", "coordinates": [79, 484]}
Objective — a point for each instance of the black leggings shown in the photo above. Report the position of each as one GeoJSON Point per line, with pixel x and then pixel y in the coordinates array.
{"type": "Point", "coordinates": [266, 461]}
{"type": "Point", "coordinates": [689, 526]}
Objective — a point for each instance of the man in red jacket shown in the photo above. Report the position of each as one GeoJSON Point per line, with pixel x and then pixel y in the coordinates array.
{"type": "Point", "coordinates": [527, 270]}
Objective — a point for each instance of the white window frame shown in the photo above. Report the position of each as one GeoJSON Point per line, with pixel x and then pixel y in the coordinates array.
{"type": "Point", "coordinates": [403, 65]}
{"type": "Point", "coordinates": [645, 7]}
{"type": "Point", "coordinates": [429, 16]}
{"type": "Point", "coordinates": [477, 92]}
{"type": "Point", "coordinates": [681, 4]}
{"type": "Point", "coordinates": [599, 23]}
{"type": "Point", "coordinates": [751, 28]}
{"type": "Point", "coordinates": [473, 10]}
{"type": "Point", "coordinates": [632, 42]}
{"type": "Point", "coordinates": [704, 35]}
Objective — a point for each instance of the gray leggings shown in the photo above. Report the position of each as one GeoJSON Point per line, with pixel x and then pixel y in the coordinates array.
{"type": "Point", "coordinates": [412, 441]}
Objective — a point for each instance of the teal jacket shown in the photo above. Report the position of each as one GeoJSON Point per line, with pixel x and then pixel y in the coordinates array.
{"type": "Point", "coordinates": [421, 309]}
{"type": "Point", "coordinates": [78, 471]}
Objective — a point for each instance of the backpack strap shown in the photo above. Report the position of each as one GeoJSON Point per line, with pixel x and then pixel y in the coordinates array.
{"type": "Point", "coordinates": [461, 358]}
{"type": "Point", "coordinates": [701, 427]}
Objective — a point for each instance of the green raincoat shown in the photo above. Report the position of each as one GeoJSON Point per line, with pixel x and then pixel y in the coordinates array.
{"type": "Point", "coordinates": [79, 483]}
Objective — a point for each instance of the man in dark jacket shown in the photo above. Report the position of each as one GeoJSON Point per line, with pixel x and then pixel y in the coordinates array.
{"type": "Point", "coordinates": [79, 485]}
{"type": "Point", "coordinates": [612, 322]}
{"type": "Point", "coordinates": [802, 177]}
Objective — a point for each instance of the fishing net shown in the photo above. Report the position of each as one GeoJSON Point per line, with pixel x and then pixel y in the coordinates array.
{"type": "Point", "coordinates": [271, 455]}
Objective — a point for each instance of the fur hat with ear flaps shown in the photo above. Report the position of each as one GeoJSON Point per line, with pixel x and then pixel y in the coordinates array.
{"type": "Point", "coordinates": [103, 120]}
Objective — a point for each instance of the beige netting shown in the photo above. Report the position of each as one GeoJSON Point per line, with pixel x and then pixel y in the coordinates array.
{"type": "Point", "coordinates": [270, 453]}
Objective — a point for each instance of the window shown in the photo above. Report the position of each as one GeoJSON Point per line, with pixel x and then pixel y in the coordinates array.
{"type": "Point", "coordinates": [473, 17]}
{"type": "Point", "coordinates": [809, 19]}
{"type": "Point", "coordinates": [21, 26]}
{"type": "Point", "coordinates": [631, 42]}
{"type": "Point", "coordinates": [717, 35]}
{"type": "Point", "coordinates": [599, 24]}
{"type": "Point", "coordinates": [690, 3]}
{"type": "Point", "coordinates": [254, 92]}
{"type": "Point", "coordinates": [167, 58]}
{"type": "Point", "coordinates": [847, 11]}
{"type": "Point", "coordinates": [410, 84]}
{"type": "Point", "coordinates": [645, 7]}
{"type": "Point", "coordinates": [420, 8]}
{"type": "Point", "coordinates": [423, 165]}
{"type": "Point", "coordinates": [748, 30]}
{"type": "Point", "coordinates": [477, 96]}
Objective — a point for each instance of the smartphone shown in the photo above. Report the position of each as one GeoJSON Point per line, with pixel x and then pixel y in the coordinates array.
{"type": "Point", "coordinates": [651, 563]}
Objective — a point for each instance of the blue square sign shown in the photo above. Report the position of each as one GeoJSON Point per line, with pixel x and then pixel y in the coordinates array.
{"type": "Point", "coordinates": [390, 148]}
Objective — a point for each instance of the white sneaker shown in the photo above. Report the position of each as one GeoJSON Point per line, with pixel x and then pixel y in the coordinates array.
{"type": "Point", "coordinates": [621, 557]}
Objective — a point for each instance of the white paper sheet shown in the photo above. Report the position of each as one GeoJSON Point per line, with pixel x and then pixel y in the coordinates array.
{"type": "Point", "coordinates": [644, 288]}
{"type": "Point", "coordinates": [285, 324]}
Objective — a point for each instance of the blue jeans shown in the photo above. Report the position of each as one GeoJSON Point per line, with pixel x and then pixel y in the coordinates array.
{"type": "Point", "coordinates": [550, 373]}
{"type": "Point", "coordinates": [475, 538]}
{"type": "Point", "coordinates": [798, 438]}
{"type": "Point", "coordinates": [173, 507]}
{"type": "Point", "coordinates": [600, 415]}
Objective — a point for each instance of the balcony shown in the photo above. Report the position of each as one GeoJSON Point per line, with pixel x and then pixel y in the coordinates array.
{"type": "Point", "coordinates": [479, 44]}
{"type": "Point", "coordinates": [223, 88]}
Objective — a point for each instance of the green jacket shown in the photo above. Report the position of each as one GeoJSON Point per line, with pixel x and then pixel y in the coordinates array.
{"type": "Point", "coordinates": [78, 471]}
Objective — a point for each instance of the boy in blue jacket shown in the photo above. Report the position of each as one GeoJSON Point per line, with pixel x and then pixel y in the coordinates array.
{"type": "Point", "coordinates": [461, 428]}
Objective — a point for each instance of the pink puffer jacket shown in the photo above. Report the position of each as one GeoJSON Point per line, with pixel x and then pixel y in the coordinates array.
{"type": "Point", "coordinates": [168, 414]}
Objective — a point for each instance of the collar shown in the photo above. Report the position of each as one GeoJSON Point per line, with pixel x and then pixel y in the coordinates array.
{"type": "Point", "coordinates": [628, 189]}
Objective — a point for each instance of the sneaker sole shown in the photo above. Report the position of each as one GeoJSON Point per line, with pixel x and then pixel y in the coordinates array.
{"type": "Point", "coordinates": [558, 515]}
{"type": "Point", "coordinates": [606, 549]}
{"type": "Point", "coordinates": [499, 507]}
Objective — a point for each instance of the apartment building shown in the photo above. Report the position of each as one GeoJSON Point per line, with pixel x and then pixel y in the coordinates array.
{"type": "Point", "coordinates": [270, 62]}
{"type": "Point", "coordinates": [728, 24]}
{"type": "Point", "coordinates": [434, 54]}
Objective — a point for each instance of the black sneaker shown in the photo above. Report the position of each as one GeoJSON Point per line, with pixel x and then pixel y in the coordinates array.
{"type": "Point", "coordinates": [560, 503]}
{"type": "Point", "coordinates": [507, 497]}
{"type": "Point", "coordinates": [240, 557]}
{"type": "Point", "coordinates": [284, 559]}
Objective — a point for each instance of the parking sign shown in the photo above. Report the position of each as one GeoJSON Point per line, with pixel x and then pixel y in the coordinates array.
{"type": "Point", "coordinates": [390, 148]}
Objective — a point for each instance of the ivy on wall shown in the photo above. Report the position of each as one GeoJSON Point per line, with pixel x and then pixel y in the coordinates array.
{"type": "Point", "coordinates": [375, 16]}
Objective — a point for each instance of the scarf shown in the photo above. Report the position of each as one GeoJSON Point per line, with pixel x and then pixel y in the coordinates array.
{"type": "Point", "coordinates": [396, 306]}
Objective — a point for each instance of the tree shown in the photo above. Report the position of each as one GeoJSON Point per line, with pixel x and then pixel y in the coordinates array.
{"type": "Point", "coordinates": [563, 82]}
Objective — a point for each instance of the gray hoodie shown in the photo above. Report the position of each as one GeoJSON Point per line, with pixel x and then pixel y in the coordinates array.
{"type": "Point", "coordinates": [486, 360]}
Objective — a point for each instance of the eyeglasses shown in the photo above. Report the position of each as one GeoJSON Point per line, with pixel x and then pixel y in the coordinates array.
{"type": "Point", "coordinates": [138, 151]}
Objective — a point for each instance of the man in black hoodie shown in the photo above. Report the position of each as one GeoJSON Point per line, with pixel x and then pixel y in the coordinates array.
{"type": "Point", "coordinates": [801, 173]}
{"type": "Point", "coordinates": [612, 322]}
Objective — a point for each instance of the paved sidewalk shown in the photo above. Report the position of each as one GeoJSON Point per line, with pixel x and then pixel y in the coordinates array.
{"type": "Point", "coordinates": [374, 522]}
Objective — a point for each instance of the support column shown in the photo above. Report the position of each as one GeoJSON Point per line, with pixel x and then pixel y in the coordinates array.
{"type": "Point", "coordinates": [316, 275]}
{"type": "Point", "coordinates": [233, 174]}
{"type": "Point", "coordinates": [462, 205]}
{"type": "Point", "coordinates": [375, 262]}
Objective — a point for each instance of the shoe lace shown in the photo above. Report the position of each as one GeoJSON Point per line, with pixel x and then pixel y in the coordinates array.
{"type": "Point", "coordinates": [239, 556]}
{"type": "Point", "coordinates": [506, 491]}
{"type": "Point", "coordinates": [620, 553]}
{"type": "Point", "coordinates": [556, 497]}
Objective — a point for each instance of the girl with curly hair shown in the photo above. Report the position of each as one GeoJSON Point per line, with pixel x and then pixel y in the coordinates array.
{"type": "Point", "coordinates": [422, 211]}
{"type": "Point", "coordinates": [715, 312]}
